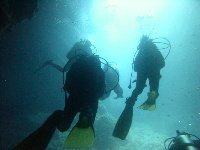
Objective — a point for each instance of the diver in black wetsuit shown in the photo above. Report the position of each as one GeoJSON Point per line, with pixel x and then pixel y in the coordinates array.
{"type": "Point", "coordinates": [85, 84]}
{"type": "Point", "coordinates": [148, 63]}
{"type": "Point", "coordinates": [83, 47]}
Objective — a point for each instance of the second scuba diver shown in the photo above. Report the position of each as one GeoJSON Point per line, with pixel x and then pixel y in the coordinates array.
{"type": "Point", "coordinates": [148, 63]}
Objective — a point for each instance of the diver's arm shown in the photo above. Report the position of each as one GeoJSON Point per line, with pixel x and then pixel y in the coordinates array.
{"type": "Point", "coordinates": [59, 68]}
{"type": "Point", "coordinates": [51, 63]}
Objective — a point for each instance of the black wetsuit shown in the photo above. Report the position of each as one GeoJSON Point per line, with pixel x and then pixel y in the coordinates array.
{"type": "Point", "coordinates": [147, 64]}
{"type": "Point", "coordinates": [85, 83]}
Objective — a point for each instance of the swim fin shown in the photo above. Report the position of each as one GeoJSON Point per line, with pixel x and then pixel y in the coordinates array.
{"type": "Point", "coordinates": [146, 106]}
{"type": "Point", "coordinates": [124, 123]}
{"type": "Point", "coordinates": [40, 138]}
{"type": "Point", "coordinates": [150, 103]}
{"type": "Point", "coordinates": [81, 136]}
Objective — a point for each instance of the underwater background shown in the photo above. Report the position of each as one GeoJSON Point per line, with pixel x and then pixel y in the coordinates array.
{"type": "Point", "coordinates": [114, 27]}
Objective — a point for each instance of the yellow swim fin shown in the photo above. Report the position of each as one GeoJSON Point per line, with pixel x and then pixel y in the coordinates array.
{"type": "Point", "coordinates": [80, 138]}
{"type": "Point", "coordinates": [82, 135]}
{"type": "Point", "coordinates": [150, 103]}
{"type": "Point", "coordinates": [146, 106]}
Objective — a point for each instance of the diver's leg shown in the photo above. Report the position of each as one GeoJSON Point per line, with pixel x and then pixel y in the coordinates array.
{"type": "Point", "coordinates": [94, 108]}
{"type": "Point", "coordinates": [154, 86]}
{"type": "Point", "coordinates": [88, 112]}
{"type": "Point", "coordinates": [70, 111]}
{"type": "Point", "coordinates": [39, 139]}
{"type": "Point", "coordinates": [154, 82]}
{"type": "Point", "coordinates": [140, 85]}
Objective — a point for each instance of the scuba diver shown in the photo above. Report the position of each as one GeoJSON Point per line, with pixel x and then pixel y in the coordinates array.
{"type": "Point", "coordinates": [84, 47]}
{"type": "Point", "coordinates": [148, 63]}
{"type": "Point", "coordinates": [111, 78]}
{"type": "Point", "coordinates": [85, 84]}
{"type": "Point", "coordinates": [183, 141]}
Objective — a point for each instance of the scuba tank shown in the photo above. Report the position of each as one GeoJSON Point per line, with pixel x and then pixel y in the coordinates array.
{"type": "Point", "coordinates": [182, 141]}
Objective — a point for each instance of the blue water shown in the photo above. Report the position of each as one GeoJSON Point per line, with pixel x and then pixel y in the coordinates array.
{"type": "Point", "coordinates": [114, 28]}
